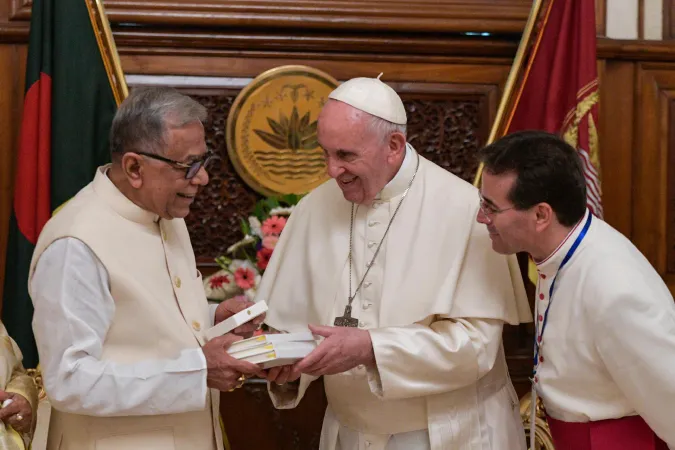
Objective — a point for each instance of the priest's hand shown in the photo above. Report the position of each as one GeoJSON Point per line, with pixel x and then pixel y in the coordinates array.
{"type": "Point", "coordinates": [19, 414]}
{"type": "Point", "coordinates": [224, 372]}
{"type": "Point", "coordinates": [343, 349]}
{"type": "Point", "coordinates": [280, 374]}
{"type": "Point", "coordinates": [232, 306]}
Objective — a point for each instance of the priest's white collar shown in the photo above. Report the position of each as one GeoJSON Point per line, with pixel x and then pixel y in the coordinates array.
{"type": "Point", "coordinates": [399, 183]}
{"type": "Point", "coordinates": [109, 193]}
{"type": "Point", "coordinates": [549, 266]}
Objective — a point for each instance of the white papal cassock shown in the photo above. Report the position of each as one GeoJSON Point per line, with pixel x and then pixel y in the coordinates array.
{"type": "Point", "coordinates": [608, 347]}
{"type": "Point", "coordinates": [434, 302]}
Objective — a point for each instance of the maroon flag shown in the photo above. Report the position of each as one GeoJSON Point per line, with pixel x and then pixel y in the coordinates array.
{"type": "Point", "coordinates": [557, 86]}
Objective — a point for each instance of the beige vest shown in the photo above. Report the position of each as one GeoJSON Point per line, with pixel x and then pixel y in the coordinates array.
{"type": "Point", "coordinates": [160, 309]}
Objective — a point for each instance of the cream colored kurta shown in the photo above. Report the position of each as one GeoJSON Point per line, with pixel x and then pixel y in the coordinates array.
{"type": "Point", "coordinates": [14, 379]}
{"type": "Point", "coordinates": [434, 302]}
{"type": "Point", "coordinates": [609, 342]}
{"type": "Point", "coordinates": [160, 311]}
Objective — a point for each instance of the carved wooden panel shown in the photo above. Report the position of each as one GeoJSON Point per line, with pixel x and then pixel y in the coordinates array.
{"type": "Point", "coordinates": [445, 129]}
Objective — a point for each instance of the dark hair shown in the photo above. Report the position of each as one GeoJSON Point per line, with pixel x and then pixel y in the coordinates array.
{"type": "Point", "coordinates": [145, 115]}
{"type": "Point", "coordinates": [548, 170]}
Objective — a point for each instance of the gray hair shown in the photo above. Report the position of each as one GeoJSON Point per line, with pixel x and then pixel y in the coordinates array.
{"type": "Point", "coordinates": [145, 116]}
{"type": "Point", "coordinates": [383, 127]}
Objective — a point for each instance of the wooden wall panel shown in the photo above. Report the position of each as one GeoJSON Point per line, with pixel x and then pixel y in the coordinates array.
{"type": "Point", "coordinates": [12, 67]}
{"type": "Point", "coordinates": [653, 204]}
{"type": "Point", "coordinates": [496, 16]}
{"type": "Point", "coordinates": [617, 94]}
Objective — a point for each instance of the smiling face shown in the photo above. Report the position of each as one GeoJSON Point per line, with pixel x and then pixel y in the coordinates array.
{"type": "Point", "coordinates": [162, 188]}
{"type": "Point", "coordinates": [360, 159]}
{"type": "Point", "coordinates": [511, 230]}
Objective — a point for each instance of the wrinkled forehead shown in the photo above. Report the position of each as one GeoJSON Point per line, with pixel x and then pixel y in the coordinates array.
{"type": "Point", "coordinates": [341, 125]}
{"type": "Point", "coordinates": [185, 142]}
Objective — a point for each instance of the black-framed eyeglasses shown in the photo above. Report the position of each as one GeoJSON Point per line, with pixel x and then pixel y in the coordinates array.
{"type": "Point", "coordinates": [191, 168]}
{"type": "Point", "coordinates": [489, 210]}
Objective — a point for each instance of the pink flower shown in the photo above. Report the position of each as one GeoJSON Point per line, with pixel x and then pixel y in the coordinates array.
{"type": "Point", "coordinates": [244, 277]}
{"type": "Point", "coordinates": [273, 225]}
{"type": "Point", "coordinates": [218, 281]}
{"type": "Point", "coordinates": [263, 255]}
{"type": "Point", "coordinates": [270, 241]}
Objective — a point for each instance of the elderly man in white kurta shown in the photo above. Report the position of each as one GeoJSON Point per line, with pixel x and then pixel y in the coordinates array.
{"type": "Point", "coordinates": [388, 252]}
{"type": "Point", "coordinates": [119, 304]}
{"type": "Point", "coordinates": [605, 345]}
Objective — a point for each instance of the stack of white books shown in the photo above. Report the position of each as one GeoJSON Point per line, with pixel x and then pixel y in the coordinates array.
{"type": "Point", "coordinates": [272, 350]}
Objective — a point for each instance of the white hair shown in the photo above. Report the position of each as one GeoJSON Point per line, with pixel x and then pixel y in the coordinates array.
{"type": "Point", "coordinates": [384, 128]}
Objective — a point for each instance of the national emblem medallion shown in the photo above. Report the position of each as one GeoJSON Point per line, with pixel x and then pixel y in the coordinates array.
{"type": "Point", "coordinates": [271, 131]}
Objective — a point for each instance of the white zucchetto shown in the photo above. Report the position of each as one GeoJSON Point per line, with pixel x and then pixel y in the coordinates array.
{"type": "Point", "coordinates": [372, 96]}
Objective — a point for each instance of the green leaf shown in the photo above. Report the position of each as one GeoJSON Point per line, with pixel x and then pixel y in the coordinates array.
{"type": "Point", "coordinates": [295, 119]}
{"type": "Point", "coordinates": [245, 227]}
{"type": "Point", "coordinates": [304, 122]}
{"type": "Point", "coordinates": [276, 127]}
{"type": "Point", "coordinates": [259, 211]}
{"type": "Point", "coordinates": [309, 143]}
{"type": "Point", "coordinates": [271, 139]}
{"type": "Point", "coordinates": [283, 120]}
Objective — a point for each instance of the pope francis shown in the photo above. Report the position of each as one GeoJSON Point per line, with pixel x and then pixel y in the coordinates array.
{"type": "Point", "coordinates": [386, 263]}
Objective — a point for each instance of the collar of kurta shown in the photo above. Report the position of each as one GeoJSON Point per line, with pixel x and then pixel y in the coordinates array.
{"type": "Point", "coordinates": [105, 189]}
{"type": "Point", "coordinates": [400, 182]}
{"type": "Point", "coordinates": [549, 267]}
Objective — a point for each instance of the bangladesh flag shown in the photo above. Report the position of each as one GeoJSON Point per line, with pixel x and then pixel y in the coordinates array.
{"type": "Point", "coordinates": [68, 108]}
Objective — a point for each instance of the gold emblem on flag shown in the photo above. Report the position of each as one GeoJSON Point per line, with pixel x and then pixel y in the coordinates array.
{"type": "Point", "coordinates": [271, 130]}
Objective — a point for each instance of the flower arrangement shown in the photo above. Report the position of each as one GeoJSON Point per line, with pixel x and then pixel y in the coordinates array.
{"type": "Point", "coordinates": [246, 260]}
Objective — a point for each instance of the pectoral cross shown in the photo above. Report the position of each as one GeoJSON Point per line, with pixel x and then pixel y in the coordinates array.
{"type": "Point", "coordinates": [346, 320]}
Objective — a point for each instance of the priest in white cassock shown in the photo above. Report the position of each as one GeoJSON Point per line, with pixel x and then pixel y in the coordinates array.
{"type": "Point", "coordinates": [120, 307]}
{"type": "Point", "coordinates": [605, 345]}
{"type": "Point", "coordinates": [387, 264]}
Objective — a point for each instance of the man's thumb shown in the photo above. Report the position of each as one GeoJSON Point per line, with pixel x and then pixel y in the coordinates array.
{"type": "Point", "coordinates": [321, 330]}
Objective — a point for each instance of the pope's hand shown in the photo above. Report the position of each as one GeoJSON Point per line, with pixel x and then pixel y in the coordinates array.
{"type": "Point", "coordinates": [18, 414]}
{"type": "Point", "coordinates": [223, 371]}
{"type": "Point", "coordinates": [232, 306]}
{"type": "Point", "coordinates": [343, 349]}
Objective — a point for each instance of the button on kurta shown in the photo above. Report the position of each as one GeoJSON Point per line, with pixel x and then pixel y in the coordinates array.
{"type": "Point", "coordinates": [372, 223]}
{"type": "Point", "coordinates": [177, 282]}
{"type": "Point", "coordinates": [541, 296]}
{"type": "Point", "coordinates": [164, 235]}
{"type": "Point", "coordinates": [372, 244]}
{"type": "Point", "coordinates": [196, 325]}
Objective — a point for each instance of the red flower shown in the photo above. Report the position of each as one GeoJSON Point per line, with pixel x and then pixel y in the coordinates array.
{"type": "Point", "coordinates": [263, 255]}
{"type": "Point", "coordinates": [273, 225]}
{"type": "Point", "coordinates": [218, 281]}
{"type": "Point", "coordinates": [244, 277]}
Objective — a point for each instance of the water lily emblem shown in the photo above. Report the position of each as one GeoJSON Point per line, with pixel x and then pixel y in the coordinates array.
{"type": "Point", "coordinates": [293, 133]}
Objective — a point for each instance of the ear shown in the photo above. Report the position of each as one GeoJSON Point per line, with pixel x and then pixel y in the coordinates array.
{"type": "Point", "coordinates": [133, 169]}
{"type": "Point", "coordinates": [396, 145]}
{"type": "Point", "coordinates": [544, 216]}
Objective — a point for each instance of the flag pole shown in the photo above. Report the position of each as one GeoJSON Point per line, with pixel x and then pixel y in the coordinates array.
{"type": "Point", "coordinates": [509, 87]}
{"type": "Point", "coordinates": [108, 49]}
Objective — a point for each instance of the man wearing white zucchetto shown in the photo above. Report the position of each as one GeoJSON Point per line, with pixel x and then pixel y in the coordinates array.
{"type": "Point", "coordinates": [386, 263]}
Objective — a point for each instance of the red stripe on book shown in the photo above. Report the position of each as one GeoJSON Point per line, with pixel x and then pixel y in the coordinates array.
{"type": "Point", "coordinates": [32, 203]}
